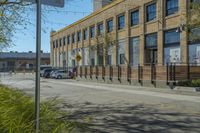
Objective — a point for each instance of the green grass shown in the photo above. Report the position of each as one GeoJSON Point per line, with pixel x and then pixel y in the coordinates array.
{"type": "Point", "coordinates": [17, 114]}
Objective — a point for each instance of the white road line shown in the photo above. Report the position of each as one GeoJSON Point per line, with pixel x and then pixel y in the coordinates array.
{"type": "Point", "coordinates": [139, 92]}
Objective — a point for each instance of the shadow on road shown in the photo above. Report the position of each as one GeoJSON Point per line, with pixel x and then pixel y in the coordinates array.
{"type": "Point", "coordinates": [135, 119]}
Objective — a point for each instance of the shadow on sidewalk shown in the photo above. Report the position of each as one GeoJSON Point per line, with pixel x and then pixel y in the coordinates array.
{"type": "Point", "coordinates": [135, 119]}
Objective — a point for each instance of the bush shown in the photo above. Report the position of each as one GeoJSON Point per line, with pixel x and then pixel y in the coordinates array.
{"type": "Point", "coordinates": [184, 83]}
{"type": "Point", "coordinates": [195, 83]}
{"type": "Point", "coordinates": [17, 114]}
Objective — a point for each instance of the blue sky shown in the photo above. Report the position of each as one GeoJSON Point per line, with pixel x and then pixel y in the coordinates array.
{"type": "Point", "coordinates": [53, 19]}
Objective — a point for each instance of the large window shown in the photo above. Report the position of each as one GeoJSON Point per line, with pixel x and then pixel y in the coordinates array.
{"type": "Point", "coordinates": [121, 22]}
{"type": "Point", "coordinates": [134, 51]}
{"type": "Point", "coordinates": [109, 60]}
{"type": "Point", "coordinates": [172, 46]}
{"type": "Point", "coordinates": [85, 34]}
{"type": "Point", "coordinates": [86, 56]}
{"type": "Point", "coordinates": [79, 36]}
{"type": "Point", "coordinates": [151, 12]}
{"type": "Point", "coordinates": [73, 38]}
{"type": "Point", "coordinates": [68, 39]}
{"type": "Point", "coordinates": [92, 32]}
{"type": "Point", "coordinates": [100, 29]}
{"type": "Point", "coordinates": [56, 43]}
{"type": "Point", "coordinates": [109, 25]}
{"type": "Point", "coordinates": [64, 40]}
{"type": "Point", "coordinates": [151, 49]}
{"type": "Point", "coordinates": [135, 18]}
{"type": "Point", "coordinates": [60, 42]}
{"type": "Point", "coordinates": [121, 52]}
{"type": "Point", "coordinates": [171, 7]}
{"type": "Point", "coordinates": [151, 40]}
{"type": "Point", "coordinates": [194, 53]}
{"type": "Point", "coordinates": [109, 56]}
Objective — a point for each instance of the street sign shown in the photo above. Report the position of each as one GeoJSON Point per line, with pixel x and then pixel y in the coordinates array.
{"type": "Point", "coordinates": [78, 58]}
{"type": "Point", "coordinates": [56, 3]}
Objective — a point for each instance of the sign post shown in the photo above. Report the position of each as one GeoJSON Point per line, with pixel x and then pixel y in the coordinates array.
{"type": "Point", "coordinates": [38, 55]}
{"type": "Point", "coordinates": [58, 3]}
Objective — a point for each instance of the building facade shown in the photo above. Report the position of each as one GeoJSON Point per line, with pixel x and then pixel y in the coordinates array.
{"type": "Point", "coordinates": [128, 33]}
{"type": "Point", "coordinates": [17, 61]}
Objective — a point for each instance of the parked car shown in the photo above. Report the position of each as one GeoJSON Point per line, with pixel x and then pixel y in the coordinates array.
{"type": "Point", "coordinates": [52, 74]}
{"type": "Point", "coordinates": [42, 68]}
{"type": "Point", "coordinates": [47, 72]}
{"type": "Point", "coordinates": [61, 74]}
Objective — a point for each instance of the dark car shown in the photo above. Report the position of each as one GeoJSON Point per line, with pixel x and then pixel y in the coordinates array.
{"type": "Point", "coordinates": [47, 72]}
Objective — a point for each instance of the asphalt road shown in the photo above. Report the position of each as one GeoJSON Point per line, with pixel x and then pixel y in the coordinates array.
{"type": "Point", "coordinates": [116, 108]}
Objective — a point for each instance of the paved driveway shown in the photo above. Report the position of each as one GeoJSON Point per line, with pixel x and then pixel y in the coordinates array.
{"type": "Point", "coordinates": [119, 109]}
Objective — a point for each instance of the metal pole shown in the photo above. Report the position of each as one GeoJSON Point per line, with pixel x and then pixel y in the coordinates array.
{"type": "Point", "coordinates": [37, 78]}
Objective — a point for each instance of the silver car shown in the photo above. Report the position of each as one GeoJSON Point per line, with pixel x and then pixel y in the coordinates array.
{"type": "Point", "coordinates": [61, 74]}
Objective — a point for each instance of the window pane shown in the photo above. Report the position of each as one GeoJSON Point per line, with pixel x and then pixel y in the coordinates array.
{"type": "Point", "coordinates": [172, 37]}
{"type": "Point", "coordinates": [64, 41]}
{"type": "Point", "coordinates": [134, 51]}
{"type": "Point", "coordinates": [121, 50]}
{"type": "Point", "coordinates": [194, 53]}
{"type": "Point", "coordinates": [92, 32]}
{"type": "Point", "coordinates": [151, 40]}
{"type": "Point", "coordinates": [134, 18]}
{"type": "Point", "coordinates": [68, 39]}
{"type": "Point", "coordinates": [110, 25]}
{"type": "Point", "coordinates": [79, 36]}
{"type": "Point", "coordinates": [100, 29]}
{"type": "Point", "coordinates": [172, 54]}
{"type": "Point", "coordinates": [60, 42]}
{"type": "Point", "coordinates": [121, 22]}
{"type": "Point", "coordinates": [171, 6]}
{"type": "Point", "coordinates": [151, 12]}
{"type": "Point", "coordinates": [85, 34]}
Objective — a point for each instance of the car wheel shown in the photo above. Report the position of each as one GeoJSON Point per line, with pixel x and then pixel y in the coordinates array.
{"type": "Point", "coordinates": [59, 77]}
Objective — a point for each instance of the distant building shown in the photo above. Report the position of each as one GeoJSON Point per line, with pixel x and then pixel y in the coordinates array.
{"type": "Point", "coordinates": [21, 60]}
{"type": "Point", "coordinates": [98, 4]}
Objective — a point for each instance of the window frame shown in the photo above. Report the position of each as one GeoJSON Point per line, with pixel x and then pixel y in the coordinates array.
{"type": "Point", "coordinates": [173, 10]}
{"type": "Point", "coordinates": [79, 36]}
{"type": "Point", "coordinates": [68, 39]}
{"type": "Point", "coordinates": [92, 31]}
{"type": "Point", "coordinates": [109, 29]}
{"type": "Point", "coordinates": [60, 42]}
{"type": "Point", "coordinates": [99, 30]}
{"type": "Point", "coordinates": [132, 17]}
{"type": "Point", "coordinates": [64, 40]}
{"type": "Point", "coordinates": [151, 34]}
{"type": "Point", "coordinates": [174, 43]}
{"type": "Point", "coordinates": [148, 18]}
{"type": "Point", "coordinates": [85, 34]}
{"type": "Point", "coordinates": [74, 38]}
{"type": "Point", "coordinates": [121, 25]}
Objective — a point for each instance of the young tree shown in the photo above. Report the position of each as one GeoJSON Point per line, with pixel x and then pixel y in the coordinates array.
{"type": "Point", "coordinates": [103, 45]}
{"type": "Point", "coordinates": [193, 21]}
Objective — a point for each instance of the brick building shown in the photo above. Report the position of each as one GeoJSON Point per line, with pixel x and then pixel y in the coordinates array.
{"type": "Point", "coordinates": [138, 38]}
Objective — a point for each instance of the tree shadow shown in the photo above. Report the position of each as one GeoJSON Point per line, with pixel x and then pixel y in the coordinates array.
{"type": "Point", "coordinates": [135, 119]}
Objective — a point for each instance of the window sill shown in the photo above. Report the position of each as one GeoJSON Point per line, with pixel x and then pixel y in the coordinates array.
{"type": "Point", "coordinates": [121, 30]}
{"type": "Point", "coordinates": [151, 21]}
{"type": "Point", "coordinates": [172, 15]}
{"type": "Point", "coordinates": [135, 26]}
